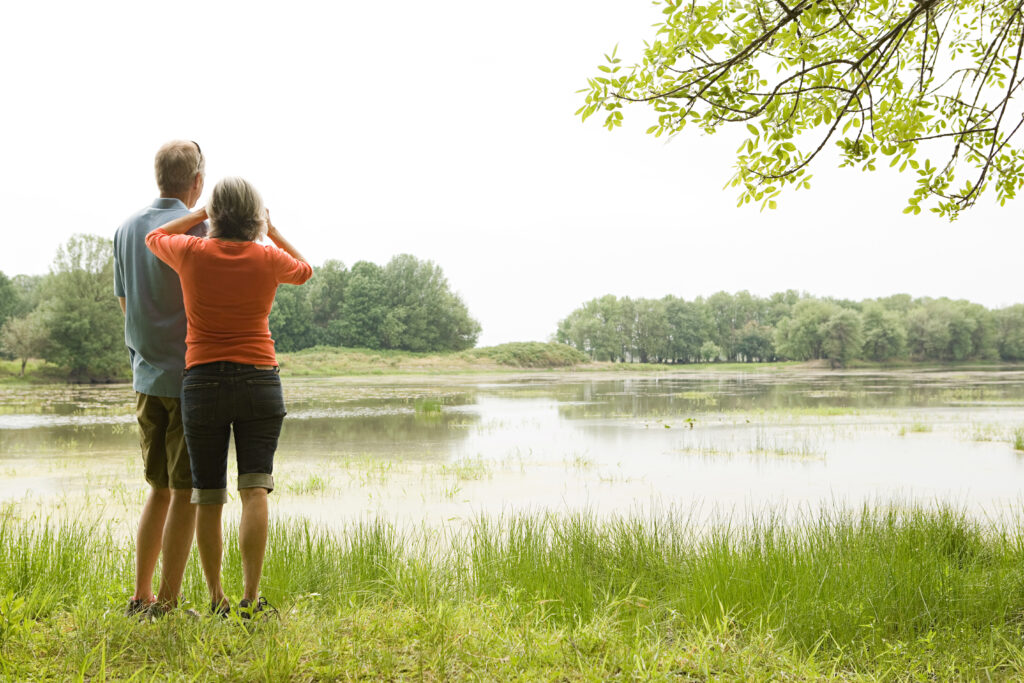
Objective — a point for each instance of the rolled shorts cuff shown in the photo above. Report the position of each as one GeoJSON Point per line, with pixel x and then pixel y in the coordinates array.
{"type": "Point", "coordinates": [210, 496]}
{"type": "Point", "coordinates": [256, 481]}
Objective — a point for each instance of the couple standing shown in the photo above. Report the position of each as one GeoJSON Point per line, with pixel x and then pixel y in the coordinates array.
{"type": "Point", "coordinates": [196, 301]}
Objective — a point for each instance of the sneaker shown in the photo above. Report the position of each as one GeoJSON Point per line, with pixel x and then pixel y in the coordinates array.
{"type": "Point", "coordinates": [137, 607]}
{"type": "Point", "coordinates": [248, 610]}
{"type": "Point", "coordinates": [221, 609]}
{"type": "Point", "coordinates": [156, 610]}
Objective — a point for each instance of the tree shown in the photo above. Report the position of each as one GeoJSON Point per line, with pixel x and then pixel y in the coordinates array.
{"type": "Point", "coordinates": [689, 326]}
{"type": "Point", "coordinates": [364, 307]}
{"type": "Point", "coordinates": [710, 352]}
{"type": "Point", "coordinates": [928, 333]}
{"type": "Point", "coordinates": [884, 335]}
{"type": "Point", "coordinates": [802, 337]}
{"type": "Point", "coordinates": [904, 81]}
{"type": "Point", "coordinates": [842, 337]}
{"type": "Point", "coordinates": [1011, 332]}
{"type": "Point", "coordinates": [423, 313]}
{"type": "Point", "coordinates": [85, 325]}
{"type": "Point", "coordinates": [326, 295]}
{"type": "Point", "coordinates": [25, 337]}
{"type": "Point", "coordinates": [8, 298]}
{"type": "Point", "coordinates": [27, 293]}
{"type": "Point", "coordinates": [591, 329]}
{"type": "Point", "coordinates": [405, 305]}
{"type": "Point", "coordinates": [291, 319]}
{"type": "Point", "coordinates": [756, 343]}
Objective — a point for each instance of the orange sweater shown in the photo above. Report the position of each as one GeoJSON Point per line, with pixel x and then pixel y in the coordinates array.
{"type": "Point", "coordinates": [228, 290]}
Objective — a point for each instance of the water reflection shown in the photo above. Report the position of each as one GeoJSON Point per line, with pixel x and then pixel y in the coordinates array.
{"type": "Point", "coordinates": [442, 448]}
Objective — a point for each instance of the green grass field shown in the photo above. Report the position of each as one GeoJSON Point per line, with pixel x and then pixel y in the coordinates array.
{"type": "Point", "coordinates": [884, 594]}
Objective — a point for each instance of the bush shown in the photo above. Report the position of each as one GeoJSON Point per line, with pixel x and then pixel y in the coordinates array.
{"type": "Point", "coordinates": [531, 355]}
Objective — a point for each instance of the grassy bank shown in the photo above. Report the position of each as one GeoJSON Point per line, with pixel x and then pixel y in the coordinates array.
{"type": "Point", "coordinates": [325, 361]}
{"type": "Point", "coordinates": [514, 357]}
{"type": "Point", "coordinates": [887, 594]}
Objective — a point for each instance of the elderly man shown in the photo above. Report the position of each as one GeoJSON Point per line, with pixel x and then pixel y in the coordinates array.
{"type": "Point", "coordinates": [154, 330]}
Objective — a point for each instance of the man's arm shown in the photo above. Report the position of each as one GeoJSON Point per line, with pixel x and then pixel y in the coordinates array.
{"type": "Point", "coordinates": [124, 305]}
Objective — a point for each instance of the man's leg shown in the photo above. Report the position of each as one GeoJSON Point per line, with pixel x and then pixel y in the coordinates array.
{"type": "Point", "coordinates": [252, 539]}
{"type": "Point", "coordinates": [177, 542]}
{"type": "Point", "coordinates": [180, 527]}
{"type": "Point", "coordinates": [211, 548]}
{"type": "Point", "coordinates": [147, 541]}
{"type": "Point", "coordinates": [152, 419]}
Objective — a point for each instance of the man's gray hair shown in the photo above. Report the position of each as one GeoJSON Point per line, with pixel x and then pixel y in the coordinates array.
{"type": "Point", "coordinates": [236, 211]}
{"type": "Point", "coordinates": [177, 164]}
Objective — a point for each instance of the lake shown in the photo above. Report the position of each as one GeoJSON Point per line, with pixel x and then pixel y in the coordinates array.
{"type": "Point", "coordinates": [436, 450]}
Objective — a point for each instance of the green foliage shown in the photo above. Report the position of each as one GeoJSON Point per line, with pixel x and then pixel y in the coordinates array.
{"type": "Point", "coordinates": [8, 298]}
{"type": "Point", "coordinates": [900, 592]}
{"type": "Point", "coordinates": [84, 322]}
{"type": "Point", "coordinates": [329, 361]}
{"type": "Point", "coordinates": [884, 334]}
{"type": "Point", "coordinates": [789, 326]}
{"type": "Point", "coordinates": [326, 294]}
{"type": "Point", "coordinates": [843, 337]}
{"type": "Point", "coordinates": [923, 86]}
{"type": "Point", "coordinates": [1010, 324]}
{"type": "Point", "coordinates": [802, 337]}
{"type": "Point", "coordinates": [406, 305]}
{"type": "Point", "coordinates": [532, 355]}
{"type": "Point", "coordinates": [25, 337]}
{"type": "Point", "coordinates": [709, 352]}
{"type": "Point", "coordinates": [291, 318]}
{"type": "Point", "coordinates": [756, 342]}
{"type": "Point", "coordinates": [28, 293]}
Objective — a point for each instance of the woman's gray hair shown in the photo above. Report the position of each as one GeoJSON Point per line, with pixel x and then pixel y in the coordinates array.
{"type": "Point", "coordinates": [236, 211]}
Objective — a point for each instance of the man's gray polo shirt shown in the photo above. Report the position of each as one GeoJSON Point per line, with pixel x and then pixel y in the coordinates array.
{"type": "Point", "coordinates": [154, 325]}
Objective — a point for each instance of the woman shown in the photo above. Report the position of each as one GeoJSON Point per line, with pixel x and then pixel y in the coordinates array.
{"type": "Point", "coordinates": [231, 375]}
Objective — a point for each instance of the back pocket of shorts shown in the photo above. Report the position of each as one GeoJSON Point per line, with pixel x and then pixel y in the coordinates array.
{"type": "Point", "coordinates": [266, 398]}
{"type": "Point", "coordinates": [199, 403]}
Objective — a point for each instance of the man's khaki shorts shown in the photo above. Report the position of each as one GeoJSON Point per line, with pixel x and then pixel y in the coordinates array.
{"type": "Point", "coordinates": [162, 438]}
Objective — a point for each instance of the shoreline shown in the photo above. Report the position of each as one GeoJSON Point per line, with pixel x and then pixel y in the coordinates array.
{"type": "Point", "coordinates": [366, 364]}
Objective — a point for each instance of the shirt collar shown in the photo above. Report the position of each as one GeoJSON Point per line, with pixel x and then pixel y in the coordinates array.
{"type": "Point", "coordinates": [168, 203]}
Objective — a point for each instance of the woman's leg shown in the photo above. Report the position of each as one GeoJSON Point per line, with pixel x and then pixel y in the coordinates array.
{"type": "Point", "coordinates": [211, 548]}
{"type": "Point", "coordinates": [206, 415]}
{"type": "Point", "coordinates": [256, 436]}
{"type": "Point", "coordinates": [252, 539]}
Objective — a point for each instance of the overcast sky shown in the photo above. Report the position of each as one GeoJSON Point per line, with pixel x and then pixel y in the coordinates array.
{"type": "Point", "coordinates": [445, 130]}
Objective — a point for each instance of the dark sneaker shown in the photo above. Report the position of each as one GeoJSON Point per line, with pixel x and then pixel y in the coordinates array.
{"type": "Point", "coordinates": [261, 608]}
{"type": "Point", "coordinates": [136, 607]}
{"type": "Point", "coordinates": [220, 609]}
{"type": "Point", "coordinates": [157, 610]}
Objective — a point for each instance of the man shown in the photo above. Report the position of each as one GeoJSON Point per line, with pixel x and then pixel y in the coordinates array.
{"type": "Point", "coordinates": [154, 330]}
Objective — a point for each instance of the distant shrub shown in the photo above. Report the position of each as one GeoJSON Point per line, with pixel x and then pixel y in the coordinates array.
{"type": "Point", "coordinates": [531, 355]}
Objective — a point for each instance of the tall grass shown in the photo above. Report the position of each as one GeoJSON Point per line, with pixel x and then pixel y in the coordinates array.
{"type": "Point", "coordinates": [849, 591]}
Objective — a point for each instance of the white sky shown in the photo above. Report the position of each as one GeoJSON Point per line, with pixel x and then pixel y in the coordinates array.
{"type": "Point", "coordinates": [443, 129]}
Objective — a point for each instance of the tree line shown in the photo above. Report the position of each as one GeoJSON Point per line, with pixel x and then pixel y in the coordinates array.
{"type": "Point", "coordinates": [790, 325]}
{"type": "Point", "coordinates": [71, 318]}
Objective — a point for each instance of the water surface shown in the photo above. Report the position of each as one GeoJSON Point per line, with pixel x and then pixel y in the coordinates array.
{"type": "Point", "coordinates": [450, 448]}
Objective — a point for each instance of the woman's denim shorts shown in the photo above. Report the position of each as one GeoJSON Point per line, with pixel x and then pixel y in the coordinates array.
{"type": "Point", "coordinates": [217, 397]}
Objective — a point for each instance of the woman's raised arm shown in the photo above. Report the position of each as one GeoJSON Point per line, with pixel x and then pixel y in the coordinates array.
{"type": "Point", "coordinates": [179, 226]}
{"type": "Point", "coordinates": [277, 238]}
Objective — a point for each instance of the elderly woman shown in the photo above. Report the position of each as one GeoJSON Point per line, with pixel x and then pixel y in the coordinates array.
{"type": "Point", "coordinates": [231, 376]}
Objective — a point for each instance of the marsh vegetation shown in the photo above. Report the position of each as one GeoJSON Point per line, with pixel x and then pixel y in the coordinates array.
{"type": "Point", "coordinates": [702, 524]}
